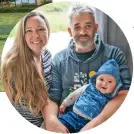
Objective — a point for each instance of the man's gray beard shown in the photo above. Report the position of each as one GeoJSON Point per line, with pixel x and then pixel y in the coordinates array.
{"type": "Point", "coordinates": [85, 45]}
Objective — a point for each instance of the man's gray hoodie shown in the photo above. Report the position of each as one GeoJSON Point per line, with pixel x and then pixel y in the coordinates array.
{"type": "Point", "coordinates": [70, 73]}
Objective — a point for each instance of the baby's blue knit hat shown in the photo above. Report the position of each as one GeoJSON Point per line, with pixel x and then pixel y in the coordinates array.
{"type": "Point", "coordinates": [110, 67]}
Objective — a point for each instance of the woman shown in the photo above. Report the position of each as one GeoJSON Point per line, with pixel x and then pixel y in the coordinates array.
{"type": "Point", "coordinates": [26, 69]}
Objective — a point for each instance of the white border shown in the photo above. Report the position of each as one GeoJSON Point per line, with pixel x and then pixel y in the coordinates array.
{"type": "Point", "coordinates": [122, 121]}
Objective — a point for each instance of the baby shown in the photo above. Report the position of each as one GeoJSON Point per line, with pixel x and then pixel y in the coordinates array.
{"type": "Point", "coordinates": [89, 100]}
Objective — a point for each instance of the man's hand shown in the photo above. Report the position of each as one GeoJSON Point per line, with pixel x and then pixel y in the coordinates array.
{"type": "Point", "coordinates": [93, 123]}
{"type": "Point", "coordinates": [86, 127]}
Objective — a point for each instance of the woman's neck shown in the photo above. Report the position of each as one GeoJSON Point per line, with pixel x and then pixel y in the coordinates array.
{"type": "Point", "coordinates": [37, 58]}
{"type": "Point", "coordinates": [38, 64]}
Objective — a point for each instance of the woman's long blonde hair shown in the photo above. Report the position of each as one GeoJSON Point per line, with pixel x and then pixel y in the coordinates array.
{"type": "Point", "coordinates": [20, 77]}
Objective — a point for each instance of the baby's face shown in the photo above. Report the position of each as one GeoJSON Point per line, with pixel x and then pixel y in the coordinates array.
{"type": "Point", "coordinates": [105, 83]}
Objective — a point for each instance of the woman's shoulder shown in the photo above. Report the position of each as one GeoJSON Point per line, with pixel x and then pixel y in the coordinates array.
{"type": "Point", "coordinates": [46, 55]}
{"type": "Point", "coordinates": [46, 52]}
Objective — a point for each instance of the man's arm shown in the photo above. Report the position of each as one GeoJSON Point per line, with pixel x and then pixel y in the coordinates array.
{"type": "Point", "coordinates": [108, 110]}
{"type": "Point", "coordinates": [115, 103]}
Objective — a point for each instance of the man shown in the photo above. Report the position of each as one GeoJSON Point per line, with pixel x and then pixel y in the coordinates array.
{"type": "Point", "coordinates": [73, 66]}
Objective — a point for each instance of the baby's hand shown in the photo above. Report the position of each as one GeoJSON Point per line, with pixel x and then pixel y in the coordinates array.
{"type": "Point", "coordinates": [62, 109]}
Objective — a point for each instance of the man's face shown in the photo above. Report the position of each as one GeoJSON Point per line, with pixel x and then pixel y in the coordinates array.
{"type": "Point", "coordinates": [83, 29]}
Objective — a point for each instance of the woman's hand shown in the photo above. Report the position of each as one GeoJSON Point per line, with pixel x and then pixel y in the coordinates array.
{"type": "Point", "coordinates": [55, 125]}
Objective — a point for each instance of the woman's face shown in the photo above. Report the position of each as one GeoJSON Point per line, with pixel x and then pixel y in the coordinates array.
{"type": "Point", "coordinates": [36, 34]}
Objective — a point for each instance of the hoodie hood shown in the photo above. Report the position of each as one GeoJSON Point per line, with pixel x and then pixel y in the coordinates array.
{"type": "Point", "coordinates": [110, 67]}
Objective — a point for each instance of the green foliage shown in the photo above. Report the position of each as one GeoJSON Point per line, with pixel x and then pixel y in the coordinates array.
{"type": "Point", "coordinates": [19, 8]}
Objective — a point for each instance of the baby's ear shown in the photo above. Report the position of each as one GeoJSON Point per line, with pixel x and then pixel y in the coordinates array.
{"type": "Point", "coordinates": [91, 73]}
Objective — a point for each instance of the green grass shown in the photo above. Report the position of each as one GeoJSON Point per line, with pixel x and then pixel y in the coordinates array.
{"type": "Point", "coordinates": [7, 23]}
{"type": "Point", "coordinates": [6, 26]}
{"type": "Point", "coordinates": [9, 16]}
{"type": "Point", "coordinates": [2, 42]}
{"type": "Point", "coordinates": [56, 7]}
{"type": "Point", "coordinates": [25, 8]}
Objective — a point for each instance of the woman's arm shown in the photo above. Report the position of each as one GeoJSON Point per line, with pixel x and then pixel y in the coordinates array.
{"type": "Point", "coordinates": [51, 122]}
